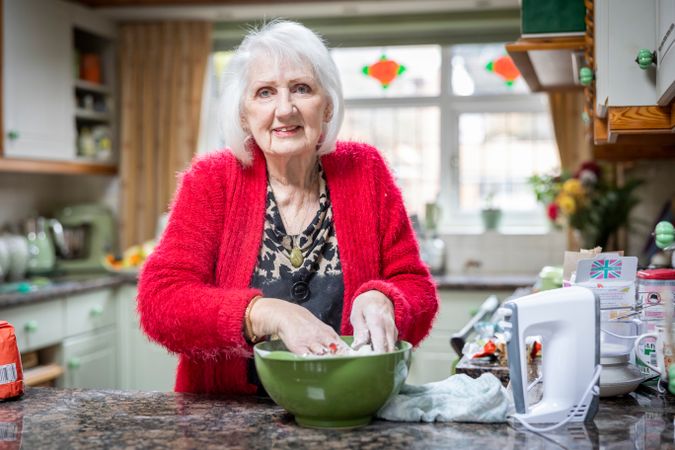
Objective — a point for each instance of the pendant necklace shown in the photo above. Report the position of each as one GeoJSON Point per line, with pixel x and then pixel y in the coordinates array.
{"type": "Point", "coordinates": [296, 254]}
{"type": "Point", "coordinates": [297, 257]}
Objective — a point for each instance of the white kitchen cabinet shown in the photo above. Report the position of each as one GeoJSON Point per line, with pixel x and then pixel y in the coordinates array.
{"type": "Point", "coordinates": [665, 51]}
{"type": "Point", "coordinates": [90, 311]}
{"type": "Point", "coordinates": [90, 360]}
{"type": "Point", "coordinates": [432, 360]}
{"type": "Point", "coordinates": [622, 28]}
{"type": "Point", "coordinates": [46, 105]}
{"type": "Point", "coordinates": [36, 325]}
{"type": "Point", "coordinates": [144, 365]}
{"type": "Point", "coordinates": [37, 77]}
{"type": "Point", "coordinates": [90, 357]}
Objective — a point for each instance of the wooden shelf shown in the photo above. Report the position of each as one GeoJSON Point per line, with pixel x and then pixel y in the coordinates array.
{"type": "Point", "coordinates": [548, 64]}
{"type": "Point", "coordinates": [95, 116]}
{"type": "Point", "coordinates": [635, 125]}
{"type": "Point", "coordinates": [42, 374]}
{"type": "Point", "coordinates": [91, 87]}
{"type": "Point", "coordinates": [56, 167]}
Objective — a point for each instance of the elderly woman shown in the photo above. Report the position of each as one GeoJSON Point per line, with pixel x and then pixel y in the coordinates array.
{"type": "Point", "coordinates": [286, 233]}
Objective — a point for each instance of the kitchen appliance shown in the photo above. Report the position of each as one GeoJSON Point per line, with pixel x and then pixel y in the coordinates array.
{"type": "Point", "coordinates": [567, 320]}
{"type": "Point", "coordinates": [42, 260]}
{"type": "Point", "coordinates": [618, 376]}
{"type": "Point", "coordinates": [88, 232]}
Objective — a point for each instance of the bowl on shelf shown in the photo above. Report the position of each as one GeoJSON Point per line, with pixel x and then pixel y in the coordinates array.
{"type": "Point", "coordinates": [337, 391]}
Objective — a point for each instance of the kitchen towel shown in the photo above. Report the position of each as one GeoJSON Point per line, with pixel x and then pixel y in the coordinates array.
{"type": "Point", "coordinates": [458, 398]}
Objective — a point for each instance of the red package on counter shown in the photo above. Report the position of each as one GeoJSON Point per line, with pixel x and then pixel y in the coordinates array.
{"type": "Point", "coordinates": [11, 375]}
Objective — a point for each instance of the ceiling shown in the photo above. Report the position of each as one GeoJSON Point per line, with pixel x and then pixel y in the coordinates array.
{"type": "Point", "coordinates": [236, 10]}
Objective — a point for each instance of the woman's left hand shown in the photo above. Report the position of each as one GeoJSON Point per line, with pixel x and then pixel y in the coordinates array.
{"type": "Point", "coordinates": [372, 318]}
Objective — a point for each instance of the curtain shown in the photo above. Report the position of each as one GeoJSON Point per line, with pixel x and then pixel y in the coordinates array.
{"type": "Point", "coordinates": [162, 71]}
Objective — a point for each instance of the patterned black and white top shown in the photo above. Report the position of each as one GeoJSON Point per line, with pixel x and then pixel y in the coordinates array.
{"type": "Point", "coordinates": [317, 284]}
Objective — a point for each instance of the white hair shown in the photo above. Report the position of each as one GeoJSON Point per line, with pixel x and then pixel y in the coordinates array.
{"type": "Point", "coordinates": [279, 41]}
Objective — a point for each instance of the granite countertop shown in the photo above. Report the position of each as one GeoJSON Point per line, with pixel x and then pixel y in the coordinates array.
{"type": "Point", "coordinates": [59, 287]}
{"type": "Point", "coordinates": [60, 418]}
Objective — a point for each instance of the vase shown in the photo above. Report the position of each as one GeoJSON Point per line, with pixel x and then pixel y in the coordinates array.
{"type": "Point", "coordinates": [491, 218]}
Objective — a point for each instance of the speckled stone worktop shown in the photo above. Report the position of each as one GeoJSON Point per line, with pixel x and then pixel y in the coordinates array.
{"type": "Point", "coordinates": [57, 418]}
{"type": "Point", "coordinates": [61, 287]}
{"type": "Point", "coordinates": [483, 282]}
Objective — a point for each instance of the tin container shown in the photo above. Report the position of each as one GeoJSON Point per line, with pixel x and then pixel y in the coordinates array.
{"type": "Point", "coordinates": [654, 288]}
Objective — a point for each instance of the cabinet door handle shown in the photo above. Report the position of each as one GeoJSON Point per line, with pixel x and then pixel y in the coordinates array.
{"type": "Point", "coordinates": [74, 363]}
{"type": "Point", "coordinates": [645, 58]}
{"type": "Point", "coordinates": [585, 76]}
{"type": "Point", "coordinates": [96, 311]}
{"type": "Point", "coordinates": [12, 135]}
{"type": "Point", "coordinates": [31, 326]}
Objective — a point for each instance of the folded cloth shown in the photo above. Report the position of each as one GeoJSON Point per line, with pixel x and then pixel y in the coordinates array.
{"type": "Point", "coordinates": [458, 398]}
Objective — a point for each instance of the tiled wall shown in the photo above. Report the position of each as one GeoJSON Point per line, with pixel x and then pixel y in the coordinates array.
{"type": "Point", "coordinates": [496, 253]}
{"type": "Point", "coordinates": [659, 177]}
{"type": "Point", "coordinates": [26, 195]}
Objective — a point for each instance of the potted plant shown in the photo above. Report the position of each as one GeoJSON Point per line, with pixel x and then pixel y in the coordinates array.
{"type": "Point", "coordinates": [588, 201]}
{"type": "Point", "coordinates": [491, 214]}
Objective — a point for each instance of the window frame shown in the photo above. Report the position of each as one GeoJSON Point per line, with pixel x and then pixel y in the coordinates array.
{"type": "Point", "coordinates": [451, 106]}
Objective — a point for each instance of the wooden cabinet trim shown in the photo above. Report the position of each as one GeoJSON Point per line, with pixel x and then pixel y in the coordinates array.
{"type": "Point", "coordinates": [55, 167]}
{"type": "Point", "coordinates": [643, 119]}
{"type": "Point", "coordinates": [552, 43]}
{"type": "Point", "coordinates": [519, 53]}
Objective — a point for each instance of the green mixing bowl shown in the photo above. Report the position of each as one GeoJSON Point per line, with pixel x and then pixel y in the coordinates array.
{"type": "Point", "coordinates": [331, 391]}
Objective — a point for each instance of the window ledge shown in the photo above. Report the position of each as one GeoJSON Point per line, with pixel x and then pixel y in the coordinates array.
{"type": "Point", "coordinates": [506, 230]}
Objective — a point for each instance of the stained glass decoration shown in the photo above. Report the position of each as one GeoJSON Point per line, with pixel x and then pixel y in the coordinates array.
{"type": "Point", "coordinates": [505, 68]}
{"type": "Point", "coordinates": [384, 71]}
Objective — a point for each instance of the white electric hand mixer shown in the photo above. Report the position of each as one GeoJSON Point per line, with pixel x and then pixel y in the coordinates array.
{"type": "Point", "coordinates": [567, 320]}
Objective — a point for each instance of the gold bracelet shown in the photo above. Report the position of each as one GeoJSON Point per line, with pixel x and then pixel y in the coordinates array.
{"type": "Point", "coordinates": [247, 320]}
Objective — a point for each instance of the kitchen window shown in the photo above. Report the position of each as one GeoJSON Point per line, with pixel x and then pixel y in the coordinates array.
{"type": "Point", "coordinates": [453, 131]}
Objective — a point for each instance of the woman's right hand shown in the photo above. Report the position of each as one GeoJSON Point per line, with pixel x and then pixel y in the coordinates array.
{"type": "Point", "coordinates": [296, 326]}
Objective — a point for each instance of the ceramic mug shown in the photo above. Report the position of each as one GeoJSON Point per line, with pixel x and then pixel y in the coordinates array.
{"type": "Point", "coordinates": [664, 357]}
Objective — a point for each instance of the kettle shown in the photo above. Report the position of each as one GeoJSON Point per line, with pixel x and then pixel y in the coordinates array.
{"type": "Point", "coordinates": [42, 254]}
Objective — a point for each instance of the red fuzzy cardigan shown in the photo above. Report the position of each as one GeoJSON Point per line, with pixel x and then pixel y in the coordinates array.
{"type": "Point", "coordinates": [194, 288]}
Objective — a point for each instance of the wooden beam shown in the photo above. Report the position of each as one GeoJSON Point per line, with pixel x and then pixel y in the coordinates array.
{"type": "Point", "coordinates": [55, 167]}
{"type": "Point", "coordinates": [126, 3]}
